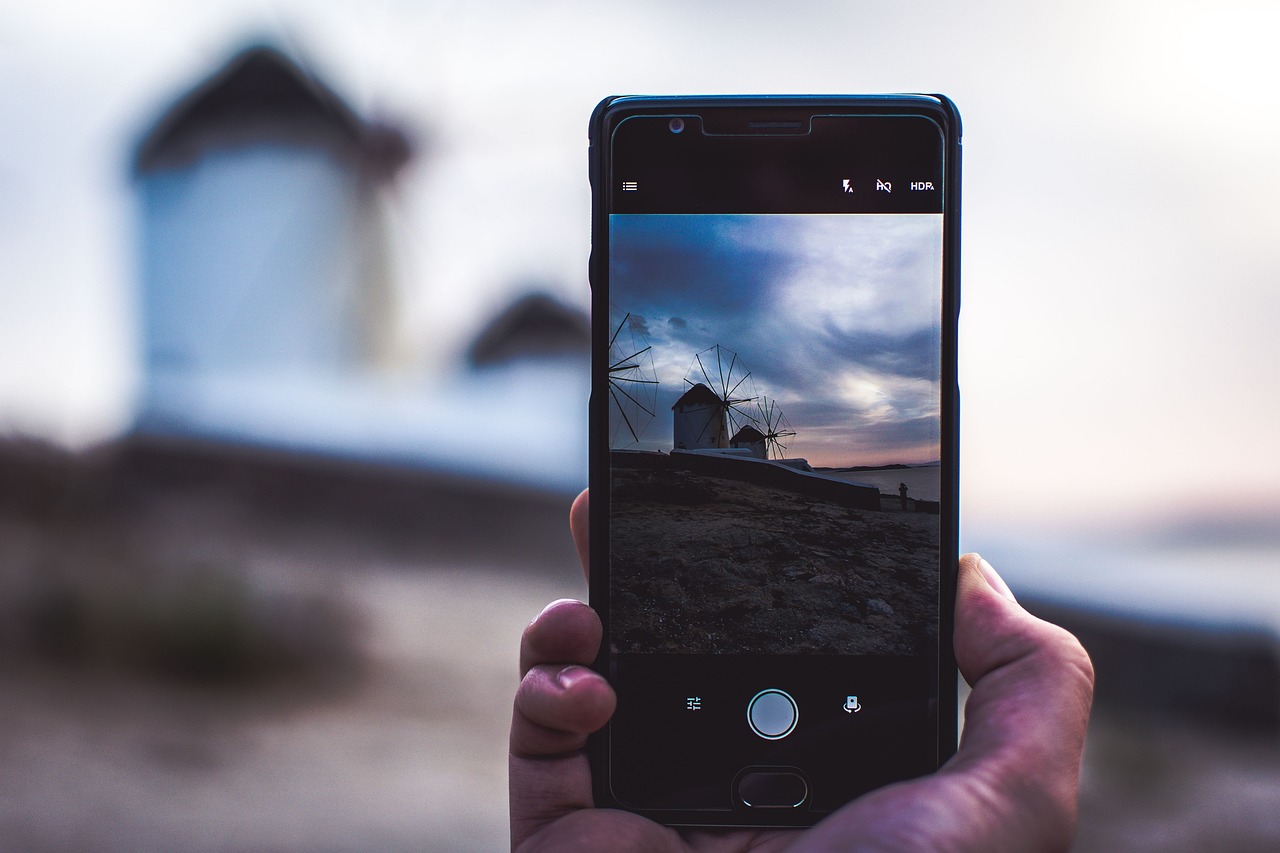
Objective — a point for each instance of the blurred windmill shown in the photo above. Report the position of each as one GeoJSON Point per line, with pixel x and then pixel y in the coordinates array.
{"type": "Point", "coordinates": [716, 405]}
{"type": "Point", "coordinates": [774, 426]}
{"type": "Point", "coordinates": [633, 382]}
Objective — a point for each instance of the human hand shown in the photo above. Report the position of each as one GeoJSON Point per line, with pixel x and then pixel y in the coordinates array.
{"type": "Point", "coordinates": [1012, 785]}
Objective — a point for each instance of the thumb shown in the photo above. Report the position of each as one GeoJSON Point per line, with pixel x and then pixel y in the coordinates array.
{"type": "Point", "coordinates": [1032, 690]}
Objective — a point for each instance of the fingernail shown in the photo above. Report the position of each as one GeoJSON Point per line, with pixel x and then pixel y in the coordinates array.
{"type": "Point", "coordinates": [993, 577]}
{"type": "Point", "coordinates": [571, 675]}
{"type": "Point", "coordinates": [556, 603]}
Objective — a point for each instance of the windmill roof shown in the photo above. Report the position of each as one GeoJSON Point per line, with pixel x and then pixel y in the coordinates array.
{"type": "Point", "coordinates": [697, 395]}
{"type": "Point", "coordinates": [534, 325]}
{"type": "Point", "coordinates": [261, 95]}
{"type": "Point", "coordinates": [747, 434]}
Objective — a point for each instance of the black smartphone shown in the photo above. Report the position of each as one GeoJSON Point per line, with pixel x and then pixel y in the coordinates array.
{"type": "Point", "coordinates": [774, 436]}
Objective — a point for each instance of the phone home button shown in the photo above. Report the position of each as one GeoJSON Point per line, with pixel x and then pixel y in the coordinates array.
{"type": "Point", "coordinates": [772, 714]}
{"type": "Point", "coordinates": [772, 788]}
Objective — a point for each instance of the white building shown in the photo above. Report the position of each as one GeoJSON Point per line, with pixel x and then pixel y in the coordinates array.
{"type": "Point", "coordinates": [750, 438]}
{"type": "Point", "coordinates": [262, 250]}
{"type": "Point", "coordinates": [699, 419]}
{"type": "Point", "coordinates": [266, 298]}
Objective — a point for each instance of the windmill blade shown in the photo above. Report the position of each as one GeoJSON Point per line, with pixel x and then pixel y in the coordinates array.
{"type": "Point", "coordinates": [621, 411]}
{"type": "Point", "coordinates": [633, 381]}
{"type": "Point", "coordinates": [621, 323]}
{"type": "Point", "coordinates": [618, 365]}
{"type": "Point", "coordinates": [615, 391]}
{"type": "Point", "coordinates": [768, 412]}
{"type": "Point", "coordinates": [705, 375]}
{"type": "Point", "coordinates": [725, 382]}
{"type": "Point", "coordinates": [743, 417]}
{"type": "Point", "coordinates": [736, 387]}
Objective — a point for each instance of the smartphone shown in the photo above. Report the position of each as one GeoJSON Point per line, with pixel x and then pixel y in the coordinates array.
{"type": "Point", "coordinates": [773, 449]}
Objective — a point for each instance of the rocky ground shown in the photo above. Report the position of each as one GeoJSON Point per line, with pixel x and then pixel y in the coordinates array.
{"type": "Point", "coordinates": [707, 565]}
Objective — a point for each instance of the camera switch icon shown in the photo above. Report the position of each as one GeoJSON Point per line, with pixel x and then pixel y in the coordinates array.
{"type": "Point", "coordinates": [851, 705]}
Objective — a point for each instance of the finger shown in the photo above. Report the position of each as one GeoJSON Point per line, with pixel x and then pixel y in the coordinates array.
{"type": "Point", "coordinates": [579, 523]}
{"type": "Point", "coordinates": [559, 702]}
{"type": "Point", "coordinates": [999, 644]}
{"type": "Point", "coordinates": [1032, 690]}
{"type": "Point", "coordinates": [548, 772]}
{"type": "Point", "coordinates": [566, 631]}
{"type": "Point", "coordinates": [556, 708]}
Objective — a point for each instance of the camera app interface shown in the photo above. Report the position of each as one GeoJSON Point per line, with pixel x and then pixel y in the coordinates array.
{"type": "Point", "coordinates": [775, 450]}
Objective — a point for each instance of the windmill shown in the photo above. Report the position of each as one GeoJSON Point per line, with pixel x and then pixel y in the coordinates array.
{"type": "Point", "coordinates": [633, 382]}
{"type": "Point", "coordinates": [775, 427]}
{"type": "Point", "coordinates": [715, 406]}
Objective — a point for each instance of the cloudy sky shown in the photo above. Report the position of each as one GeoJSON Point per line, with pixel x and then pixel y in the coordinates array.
{"type": "Point", "coordinates": [835, 317]}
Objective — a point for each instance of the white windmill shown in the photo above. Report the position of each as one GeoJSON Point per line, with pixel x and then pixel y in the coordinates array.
{"type": "Point", "coordinates": [715, 406]}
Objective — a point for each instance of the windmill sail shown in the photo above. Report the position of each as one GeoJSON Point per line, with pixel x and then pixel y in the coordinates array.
{"type": "Point", "coordinates": [774, 426]}
{"type": "Point", "coordinates": [633, 382]}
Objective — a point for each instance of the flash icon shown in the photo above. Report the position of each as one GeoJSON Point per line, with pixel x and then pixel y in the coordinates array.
{"type": "Point", "coordinates": [848, 187]}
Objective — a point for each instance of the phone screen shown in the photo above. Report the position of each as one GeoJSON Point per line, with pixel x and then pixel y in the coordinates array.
{"type": "Point", "coordinates": [780, 467]}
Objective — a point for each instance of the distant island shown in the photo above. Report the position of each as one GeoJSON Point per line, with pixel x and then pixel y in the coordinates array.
{"type": "Point", "coordinates": [894, 466]}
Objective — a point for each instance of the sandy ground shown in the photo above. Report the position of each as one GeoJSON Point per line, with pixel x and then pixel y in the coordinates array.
{"type": "Point", "coordinates": [1152, 784]}
{"type": "Point", "coordinates": [412, 757]}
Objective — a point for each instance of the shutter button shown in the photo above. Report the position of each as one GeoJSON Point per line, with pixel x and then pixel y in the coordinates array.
{"type": "Point", "coordinates": [772, 714]}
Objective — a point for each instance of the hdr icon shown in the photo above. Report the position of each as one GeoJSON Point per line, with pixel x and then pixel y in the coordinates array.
{"type": "Point", "coordinates": [921, 185]}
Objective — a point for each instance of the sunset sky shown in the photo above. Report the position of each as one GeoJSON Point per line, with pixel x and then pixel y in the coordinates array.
{"type": "Point", "coordinates": [836, 317]}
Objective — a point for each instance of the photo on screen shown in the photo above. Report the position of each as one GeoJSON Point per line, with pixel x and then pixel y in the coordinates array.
{"type": "Point", "coordinates": [775, 435]}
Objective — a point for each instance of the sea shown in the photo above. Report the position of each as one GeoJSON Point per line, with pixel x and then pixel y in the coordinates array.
{"type": "Point", "coordinates": [1211, 584]}
{"type": "Point", "coordinates": [923, 482]}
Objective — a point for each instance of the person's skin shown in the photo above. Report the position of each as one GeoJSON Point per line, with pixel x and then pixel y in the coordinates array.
{"type": "Point", "coordinates": [1011, 786]}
